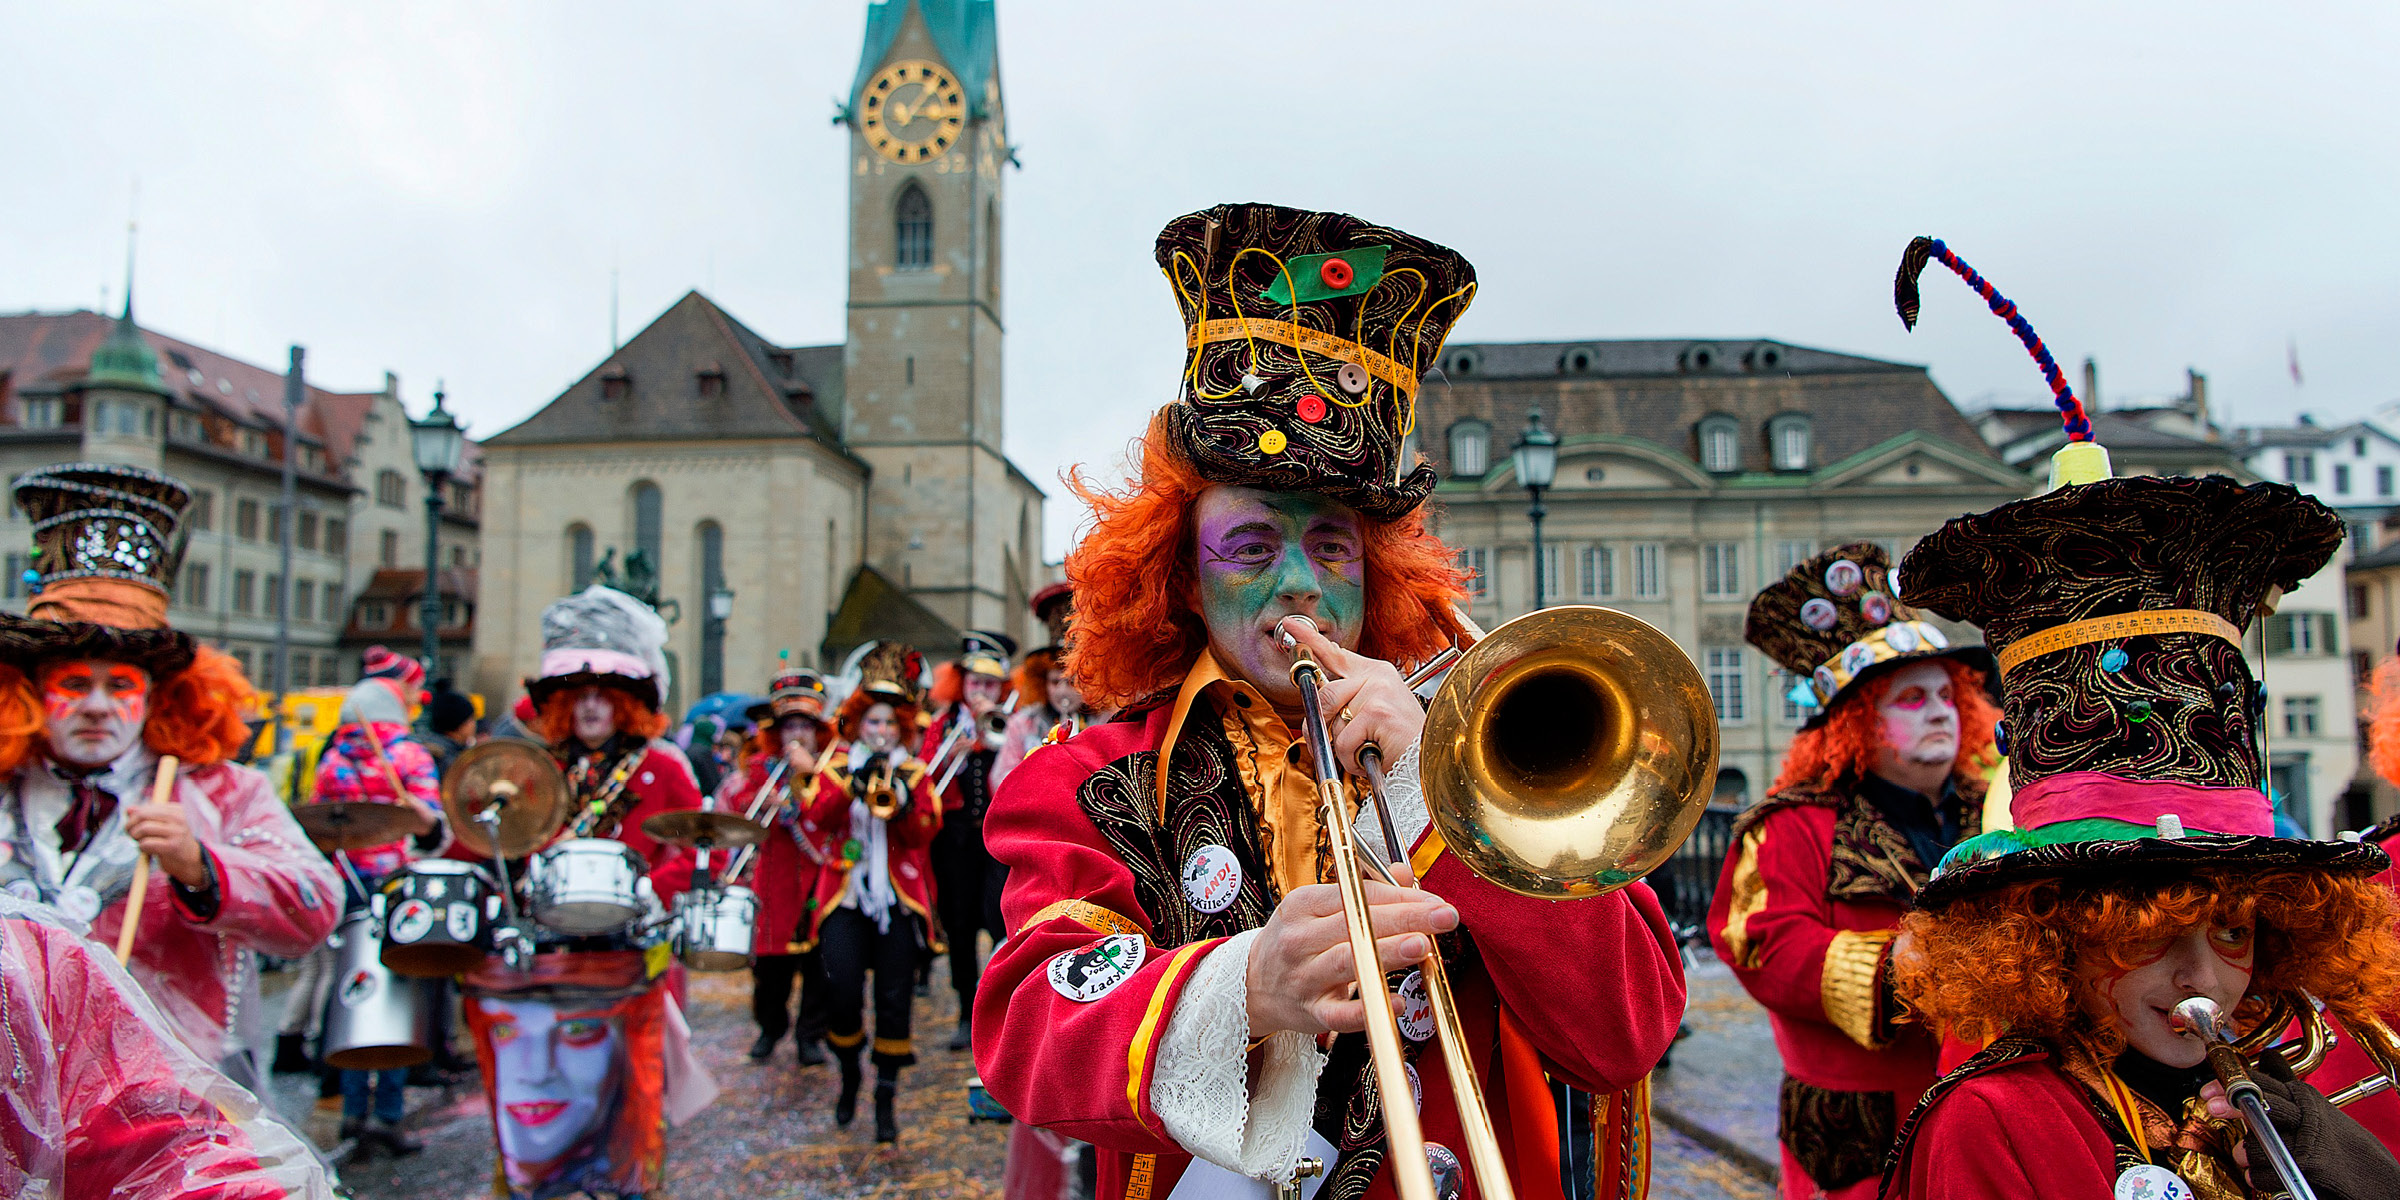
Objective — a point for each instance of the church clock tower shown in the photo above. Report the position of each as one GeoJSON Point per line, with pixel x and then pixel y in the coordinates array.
{"type": "Point", "coordinates": [948, 517]}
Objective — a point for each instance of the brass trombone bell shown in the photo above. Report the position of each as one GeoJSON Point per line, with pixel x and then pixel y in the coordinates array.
{"type": "Point", "coordinates": [1569, 752]}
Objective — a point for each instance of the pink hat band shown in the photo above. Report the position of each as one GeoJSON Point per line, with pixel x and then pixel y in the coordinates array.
{"type": "Point", "coordinates": [2083, 795]}
{"type": "Point", "coordinates": [579, 660]}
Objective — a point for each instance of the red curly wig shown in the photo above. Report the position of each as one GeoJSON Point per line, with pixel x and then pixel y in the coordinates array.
{"type": "Point", "coordinates": [1033, 678]}
{"type": "Point", "coordinates": [854, 709]}
{"type": "Point", "coordinates": [1844, 746]}
{"type": "Point", "coordinates": [2383, 721]}
{"type": "Point", "coordinates": [197, 714]}
{"type": "Point", "coordinates": [2033, 944]}
{"type": "Point", "coordinates": [1136, 633]}
{"type": "Point", "coordinates": [555, 719]}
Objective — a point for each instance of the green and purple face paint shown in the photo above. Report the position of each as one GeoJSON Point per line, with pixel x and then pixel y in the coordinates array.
{"type": "Point", "coordinates": [1263, 556]}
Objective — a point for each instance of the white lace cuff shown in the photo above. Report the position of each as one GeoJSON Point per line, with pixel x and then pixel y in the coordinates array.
{"type": "Point", "coordinates": [1405, 791]}
{"type": "Point", "coordinates": [1201, 1087]}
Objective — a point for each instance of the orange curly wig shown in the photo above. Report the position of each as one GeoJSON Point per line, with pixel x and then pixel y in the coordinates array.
{"type": "Point", "coordinates": [197, 714]}
{"type": "Point", "coordinates": [1033, 678]}
{"type": "Point", "coordinates": [1136, 633]}
{"type": "Point", "coordinates": [1845, 745]}
{"type": "Point", "coordinates": [854, 709]}
{"type": "Point", "coordinates": [555, 719]}
{"type": "Point", "coordinates": [2033, 943]}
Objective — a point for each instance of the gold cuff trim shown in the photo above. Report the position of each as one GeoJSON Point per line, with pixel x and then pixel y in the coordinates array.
{"type": "Point", "coordinates": [895, 1046]}
{"type": "Point", "coordinates": [1849, 989]}
{"type": "Point", "coordinates": [1301, 337]}
{"type": "Point", "coordinates": [1428, 850]}
{"type": "Point", "coordinates": [2122, 625]}
{"type": "Point", "coordinates": [1087, 914]}
{"type": "Point", "coordinates": [847, 1040]}
{"type": "Point", "coordinates": [1749, 898]}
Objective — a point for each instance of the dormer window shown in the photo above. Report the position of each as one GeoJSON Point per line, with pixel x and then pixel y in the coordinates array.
{"type": "Point", "coordinates": [1462, 363]}
{"type": "Point", "coordinates": [1470, 449]}
{"type": "Point", "coordinates": [1788, 440]}
{"type": "Point", "coordinates": [615, 384]}
{"type": "Point", "coordinates": [712, 382]}
{"type": "Point", "coordinates": [782, 360]}
{"type": "Point", "coordinates": [1577, 361]}
{"type": "Point", "coordinates": [1720, 444]}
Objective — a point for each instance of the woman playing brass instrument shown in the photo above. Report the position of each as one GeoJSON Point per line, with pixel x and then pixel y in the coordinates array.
{"type": "Point", "coordinates": [873, 904]}
{"type": "Point", "coordinates": [771, 786]}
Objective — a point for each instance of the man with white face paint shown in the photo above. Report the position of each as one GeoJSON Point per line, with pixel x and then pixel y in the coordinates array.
{"type": "Point", "coordinates": [98, 691]}
{"type": "Point", "coordinates": [1176, 986]}
{"type": "Point", "coordinates": [1887, 773]}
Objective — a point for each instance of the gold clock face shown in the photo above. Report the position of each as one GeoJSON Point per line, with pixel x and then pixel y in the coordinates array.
{"type": "Point", "coordinates": [912, 112]}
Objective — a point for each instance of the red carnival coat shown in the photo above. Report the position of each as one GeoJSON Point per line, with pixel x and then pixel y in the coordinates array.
{"type": "Point", "coordinates": [1588, 990]}
{"type": "Point", "coordinates": [276, 894]}
{"type": "Point", "coordinates": [784, 874]}
{"type": "Point", "coordinates": [2017, 1128]}
{"type": "Point", "coordinates": [2346, 1064]}
{"type": "Point", "coordinates": [906, 835]}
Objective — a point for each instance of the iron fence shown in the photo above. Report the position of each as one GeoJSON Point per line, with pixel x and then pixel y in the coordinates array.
{"type": "Point", "coordinates": [1687, 882]}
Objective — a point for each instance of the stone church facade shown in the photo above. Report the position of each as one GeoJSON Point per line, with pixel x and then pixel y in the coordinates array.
{"type": "Point", "coordinates": [816, 496]}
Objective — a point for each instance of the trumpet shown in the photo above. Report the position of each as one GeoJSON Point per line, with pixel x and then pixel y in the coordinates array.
{"type": "Point", "coordinates": [1565, 755]}
{"type": "Point", "coordinates": [878, 785]}
{"type": "Point", "coordinates": [2200, 1018]}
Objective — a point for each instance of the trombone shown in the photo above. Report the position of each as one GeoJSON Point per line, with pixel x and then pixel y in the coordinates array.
{"type": "Point", "coordinates": [1566, 754]}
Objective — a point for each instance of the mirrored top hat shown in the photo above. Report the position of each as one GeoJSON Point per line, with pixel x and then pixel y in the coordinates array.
{"type": "Point", "coordinates": [1836, 621]}
{"type": "Point", "coordinates": [793, 691]}
{"type": "Point", "coordinates": [2116, 607]}
{"type": "Point", "coordinates": [1307, 336]}
{"type": "Point", "coordinates": [107, 542]}
{"type": "Point", "coordinates": [605, 637]}
{"type": "Point", "coordinates": [982, 652]}
{"type": "Point", "coordinates": [892, 671]}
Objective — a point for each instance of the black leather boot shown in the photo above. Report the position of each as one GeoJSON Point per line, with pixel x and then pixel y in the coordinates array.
{"type": "Point", "coordinates": [395, 1143]}
{"type": "Point", "coordinates": [845, 1106]}
{"type": "Point", "coordinates": [764, 1046]}
{"type": "Point", "coordinates": [810, 1054]}
{"type": "Point", "coordinates": [887, 1124]}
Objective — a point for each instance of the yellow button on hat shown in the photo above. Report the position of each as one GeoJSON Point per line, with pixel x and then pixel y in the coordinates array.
{"type": "Point", "coordinates": [1271, 442]}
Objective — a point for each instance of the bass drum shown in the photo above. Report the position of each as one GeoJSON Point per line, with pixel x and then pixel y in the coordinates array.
{"type": "Point", "coordinates": [439, 919]}
{"type": "Point", "coordinates": [713, 928]}
{"type": "Point", "coordinates": [374, 1020]}
{"type": "Point", "coordinates": [587, 886]}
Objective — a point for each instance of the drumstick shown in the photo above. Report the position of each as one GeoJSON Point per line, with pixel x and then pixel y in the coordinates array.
{"type": "Point", "coordinates": [161, 791]}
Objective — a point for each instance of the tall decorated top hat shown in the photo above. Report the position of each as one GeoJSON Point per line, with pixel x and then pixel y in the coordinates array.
{"type": "Point", "coordinates": [794, 691]}
{"type": "Point", "coordinates": [893, 672]}
{"type": "Point", "coordinates": [2116, 607]}
{"type": "Point", "coordinates": [107, 542]}
{"type": "Point", "coordinates": [602, 636]}
{"type": "Point", "coordinates": [982, 652]}
{"type": "Point", "coordinates": [1836, 621]}
{"type": "Point", "coordinates": [1307, 336]}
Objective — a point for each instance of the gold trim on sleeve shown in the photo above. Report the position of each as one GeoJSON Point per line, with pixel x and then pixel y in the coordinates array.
{"type": "Point", "coordinates": [1848, 988]}
{"type": "Point", "coordinates": [1749, 899]}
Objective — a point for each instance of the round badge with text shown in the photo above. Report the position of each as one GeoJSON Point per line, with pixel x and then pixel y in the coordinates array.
{"type": "Point", "coordinates": [1416, 1008]}
{"type": "Point", "coordinates": [2148, 1181]}
{"type": "Point", "coordinates": [1212, 878]}
{"type": "Point", "coordinates": [80, 902]}
{"type": "Point", "coordinates": [359, 988]}
{"type": "Point", "coordinates": [1096, 970]}
{"type": "Point", "coordinates": [1843, 578]}
{"type": "Point", "coordinates": [1820, 614]}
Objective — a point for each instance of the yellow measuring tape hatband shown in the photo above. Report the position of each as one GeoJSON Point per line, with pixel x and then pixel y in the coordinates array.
{"type": "Point", "coordinates": [1301, 337]}
{"type": "Point", "coordinates": [2122, 625]}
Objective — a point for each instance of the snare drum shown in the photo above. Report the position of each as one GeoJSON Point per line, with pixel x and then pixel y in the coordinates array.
{"type": "Point", "coordinates": [713, 928]}
{"type": "Point", "coordinates": [586, 886]}
{"type": "Point", "coordinates": [439, 920]}
{"type": "Point", "coordinates": [375, 1020]}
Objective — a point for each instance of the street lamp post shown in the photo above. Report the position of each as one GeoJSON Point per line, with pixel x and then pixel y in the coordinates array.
{"type": "Point", "coordinates": [438, 443]}
{"type": "Point", "coordinates": [1537, 465]}
{"type": "Point", "coordinates": [712, 639]}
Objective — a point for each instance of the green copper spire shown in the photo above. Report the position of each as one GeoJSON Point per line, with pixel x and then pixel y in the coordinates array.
{"type": "Point", "coordinates": [126, 360]}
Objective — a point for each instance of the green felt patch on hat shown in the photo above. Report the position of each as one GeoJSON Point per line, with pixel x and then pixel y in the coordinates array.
{"type": "Point", "coordinates": [1314, 276]}
{"type": "Point", "coordinates": [2000, 842]}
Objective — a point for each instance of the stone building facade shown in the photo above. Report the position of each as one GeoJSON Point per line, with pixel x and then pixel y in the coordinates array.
{"type": "Point", "coordinates": [815, 495]}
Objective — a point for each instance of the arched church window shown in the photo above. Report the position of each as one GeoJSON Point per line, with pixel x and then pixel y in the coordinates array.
{"type": "Point", "coordinates": [579, 555]}
{"type": "Point", "coordinates": [649, 521]}
{"type": "Point", "coordinates": [912, 221]}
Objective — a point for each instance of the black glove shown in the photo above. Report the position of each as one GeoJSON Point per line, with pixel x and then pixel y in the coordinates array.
{"type": "Point", "coordinates": [2341, 1160]}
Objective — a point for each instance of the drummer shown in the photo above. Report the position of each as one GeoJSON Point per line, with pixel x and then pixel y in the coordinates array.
{"type": "Point", "coordinates": [871, 906]}
{"type": "Point", "coordinates": [371, 759]}
{"type": "Point", "coordinates": [791, 731]}
{"type": "Point", "coordinates": [94, 690]}
{"type": "Point", "coordinates": [585, 1056]}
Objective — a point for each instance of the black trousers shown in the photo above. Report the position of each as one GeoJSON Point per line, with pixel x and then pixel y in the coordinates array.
{"type": "Point", "coordinates": [852, 947]}
{"type": "Point", "coordinates": [967, 883]}
{"type": "Point", "coordinates": [771, 979]}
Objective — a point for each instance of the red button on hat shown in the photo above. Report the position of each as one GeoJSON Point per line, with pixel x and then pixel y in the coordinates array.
{"type": "Point", "coordinates": [1336, 273]}
{"type": "Point", "coordinates": [1312, 408]}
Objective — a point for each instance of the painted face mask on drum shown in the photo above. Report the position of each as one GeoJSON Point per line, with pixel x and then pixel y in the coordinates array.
{"type": "Point", "coordinates": [556, 1079]}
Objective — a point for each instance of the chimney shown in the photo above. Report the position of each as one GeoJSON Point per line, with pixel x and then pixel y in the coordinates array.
{"type": "Point", "coordinates": [391, 384]}
{"type": "Point", "coordinates": [2198, 399]}
{"type": "Point", "coordinates": [2091, 383]}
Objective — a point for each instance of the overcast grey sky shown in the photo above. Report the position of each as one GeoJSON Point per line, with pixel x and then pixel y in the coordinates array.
{"type": "Point", "coordinates": [443, 189]}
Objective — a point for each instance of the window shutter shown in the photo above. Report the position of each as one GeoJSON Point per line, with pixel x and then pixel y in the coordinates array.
{"type": "Point", "coordinates": [2278, 634]}
{"type": "Point", "coordinates": [2326, 625]}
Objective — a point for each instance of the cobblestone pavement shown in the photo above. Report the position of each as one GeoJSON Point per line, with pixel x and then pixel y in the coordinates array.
{"type": "Point", "coordinates": [770, 1135]}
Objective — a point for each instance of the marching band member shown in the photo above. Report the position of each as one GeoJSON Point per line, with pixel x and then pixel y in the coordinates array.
{"type": "Point", "coordinates": [1876, 787]}
{"type": "Point", "coordinates": [2141, 869]}
{"type": "Point", "coordinates": [1047, 706]}
{"type": "Point", "coordinates": [94, 689]}
{"type": "Point", "coordinates": [586, 1058]}
{"type": "Point", "coordinates": [1174, 984]}
{"type": "Point", "coordinates": [791, 733]}
{"type": "Point", "coordinates": [872, 906]}
{"type": "Point", "coordinates": [966, 882]}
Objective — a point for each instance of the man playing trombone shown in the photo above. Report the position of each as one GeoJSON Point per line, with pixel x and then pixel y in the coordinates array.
{"type": "Point", "coordinates": [1177, 984]}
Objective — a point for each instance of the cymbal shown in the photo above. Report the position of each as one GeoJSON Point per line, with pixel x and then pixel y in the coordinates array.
{"type": "Point", "coordinates": [723, 830]}
{"type": "Point", "coordinates": [526, 781]}
{"type": "Point", "coordinates": [354, 825]}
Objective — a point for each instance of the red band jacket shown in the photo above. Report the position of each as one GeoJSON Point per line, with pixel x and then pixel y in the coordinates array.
{"type": "Point", "coordinates": [1124, 878]}
{"type": "Point", "coordinates": [908, 833]}
{"type": "Point", "coordinates": [784, 871]}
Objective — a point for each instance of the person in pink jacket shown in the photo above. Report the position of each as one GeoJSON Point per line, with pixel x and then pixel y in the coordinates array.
{"type": "Point", "coordinates": [96, 693]}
